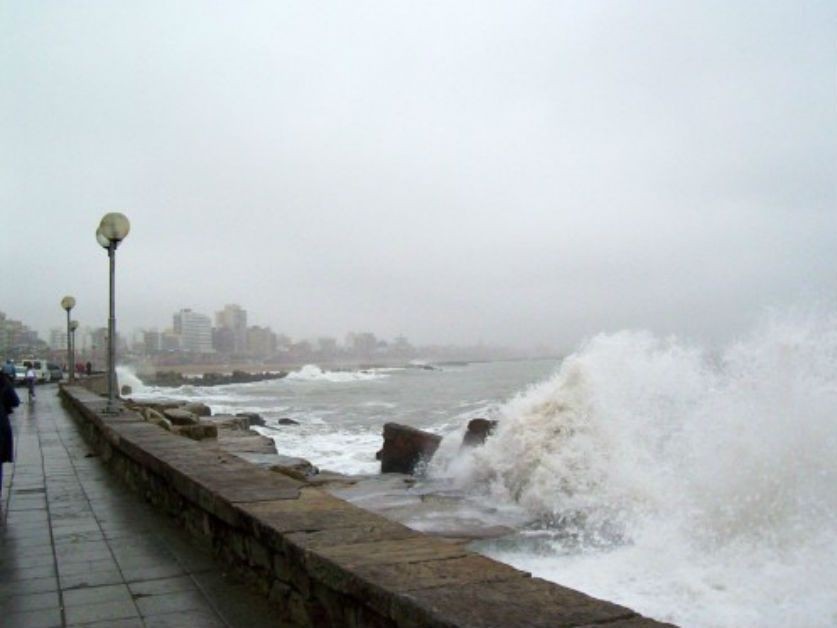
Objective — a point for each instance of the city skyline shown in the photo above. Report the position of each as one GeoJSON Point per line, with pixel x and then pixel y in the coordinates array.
{"type": "Point", "coordinates": [194, 334]}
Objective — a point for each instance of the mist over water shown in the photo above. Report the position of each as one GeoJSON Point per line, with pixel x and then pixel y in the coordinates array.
{"type": "Point", "coordinates": [692, 486]}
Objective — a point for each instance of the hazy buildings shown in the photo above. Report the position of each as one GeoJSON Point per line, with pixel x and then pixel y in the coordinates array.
{"type": "Point", "coordinates": [152, 341]}
{"type": "Point", "coordinates": [261, 341]}
{"type": "Point", "coordinates": [195, 331]}
{"type": "Point", "coordinates": [15, 337]}
{"type": "Point", "coordinates": [231, 325]}
{"type": "Point", "coordinates": [58, 338]}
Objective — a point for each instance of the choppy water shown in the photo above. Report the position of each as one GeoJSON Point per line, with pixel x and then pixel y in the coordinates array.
{"type": "Point", "coordinates": [342, 413]}
{"type": "Point", "coordinates": [695, 487]}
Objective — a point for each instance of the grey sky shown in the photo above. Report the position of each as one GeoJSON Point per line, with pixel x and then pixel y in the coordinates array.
{"type": "Point", "coordinates": [512, 172]}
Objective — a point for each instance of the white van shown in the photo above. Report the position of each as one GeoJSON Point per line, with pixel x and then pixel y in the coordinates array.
{"type": "Point", "coordinates": [40, 366]}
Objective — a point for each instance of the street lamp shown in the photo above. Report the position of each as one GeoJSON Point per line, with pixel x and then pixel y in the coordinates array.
{"type": "Point", "coordinates": [113, 228]}
{"type": "Point", "coordinates": [73, 327]}
{"type": "Point", "coordinates": [68, 303]}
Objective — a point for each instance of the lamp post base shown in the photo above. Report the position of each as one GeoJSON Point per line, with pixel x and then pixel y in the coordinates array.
{"type": "Point", "coordinates": [112, 408]}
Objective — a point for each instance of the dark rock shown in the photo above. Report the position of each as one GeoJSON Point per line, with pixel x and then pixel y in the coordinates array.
{"type": "Point", "coordinates": [126, 390]}
{"type": "Point", "coordinates": [173, 378]}
{"type": "Point", "coordinates": [197, 408]}
{"type": "Point", "coordinates": [287, 421]}
{"type": "Point", "coordinates": [180, 417]}
{"type": "Point", "coordinates": [297, 468]}
{"type": "Point", "coordinates": [405, 447]}
{"type": "Point", "coordinates": [255, 418]}
{"type": "Point", "coordinates": [478, 431]}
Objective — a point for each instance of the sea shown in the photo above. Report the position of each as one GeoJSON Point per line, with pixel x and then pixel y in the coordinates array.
{"type": "Point", "coordinates": [694, 484]}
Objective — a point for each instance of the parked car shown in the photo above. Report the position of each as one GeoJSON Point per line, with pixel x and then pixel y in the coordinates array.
{"type": "Point", "coordinates": [55, 372]}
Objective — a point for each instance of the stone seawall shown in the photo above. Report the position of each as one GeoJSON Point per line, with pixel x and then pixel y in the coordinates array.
{"type": "Point", "coordinates": [323, 561]}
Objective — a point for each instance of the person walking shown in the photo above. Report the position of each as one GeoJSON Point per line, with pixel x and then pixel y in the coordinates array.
{"type": "Point", "coordinates": [30, 381]}
{"type": "Point", "coordinates": [8, 402]}
{"type": "Point", "coordinates": [9, 370]}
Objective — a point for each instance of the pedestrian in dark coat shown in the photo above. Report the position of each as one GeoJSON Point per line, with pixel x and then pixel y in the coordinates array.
{"type": "Point", "coordinates": [8, 402]}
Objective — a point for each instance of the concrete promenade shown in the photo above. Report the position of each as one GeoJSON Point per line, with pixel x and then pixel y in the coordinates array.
{"type": "Point", "coordinates": [78, 549]}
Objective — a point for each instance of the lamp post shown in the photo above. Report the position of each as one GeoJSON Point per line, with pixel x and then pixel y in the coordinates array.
{"type": "Point", "coordinates": [68, 303]}
{"type": "Point", "coordinates": [113, 228]}
{"type": "Point", "coordinates": [73, 327]}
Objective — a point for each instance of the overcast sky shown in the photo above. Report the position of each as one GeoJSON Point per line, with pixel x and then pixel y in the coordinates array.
{"type": "Point", "coordinates": [506, 172]}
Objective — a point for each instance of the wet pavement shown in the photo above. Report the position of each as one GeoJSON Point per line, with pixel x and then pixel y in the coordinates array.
{"type": "Point", "coordinates": [77, 548]}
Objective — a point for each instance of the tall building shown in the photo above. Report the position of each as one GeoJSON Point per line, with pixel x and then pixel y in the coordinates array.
{"type": "Point", "coordinates": [261, 341]}
{"type": "Point", "coordinates": [58, 338]}
{"type": "Point", "coordinates": [195, 331]}
{"type": "Point", "coordinates": [234, 318]}
{"type": "Point", "coordinates": [152, 341]}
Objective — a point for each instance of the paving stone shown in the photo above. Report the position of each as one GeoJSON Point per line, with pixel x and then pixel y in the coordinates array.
{"type": "Point", "coordinates": [82, 548]}
{"type": "Point", "coordinates": [113, 623]}
{"type": "Point", "coordinates": [86, 567]}
{"type": "Point", "coordinates": [27, 559]}
{"type": "Point", "coordinates": [168, 570]}
{"type": "Point", "coordinates": [25, 587]}
{"type": "Point", "coordinates": [161, 585]}
{"type": "Point", "coordinates": [29, 602]}
{"type": "Point", "coordinates": [177, 601]}
{"type": "Point", "coordinates": [91, 579]}
{"type": "Point", "coordinates": [100, 611]}
{"type": "Point", "coordinates": [204, 619]}
{"type": "Point", "coordinates": [13, 574]}
{"type": "Point", "coordinates": [96, 595]}
{"type": "Point", "coordinates": [44, 618]}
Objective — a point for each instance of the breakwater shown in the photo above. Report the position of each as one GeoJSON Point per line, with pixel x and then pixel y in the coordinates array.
{"type": "Point", "coordinates": [173, 379]}
{"type": "Point", "coordinates": [323, 561]}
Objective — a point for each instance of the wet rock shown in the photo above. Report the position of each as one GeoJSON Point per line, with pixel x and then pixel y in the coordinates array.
{"type": "Point", "coordinates": [227, 422]}
{"type": "Point", "coordinates": [478, 431]}
{"type": "Point", "coordinates": [155, 418]}
{"type": "Point", "coordinates": [125, 390]}
{"type": "Point", "coordinates": [297, 468]}
{"type": "Point", "coordinates": [287, 421]}
{"type": "Point", "coordinates": [236, 442]}
{"type": "Point", "coordinates": [197, 408]}
{"type": "Point", "coordinates": [160, 406]}
{"type": "Point", "coordinates": [175, 379]}
{"type": "Point", "coordinates": [254, 417]}
{"type": "Point", "coordinates": [406, 447]}
{"type": "Point", "coordinates": [180, 417]}
{"type": "Point", "coordinates": [200, 431]}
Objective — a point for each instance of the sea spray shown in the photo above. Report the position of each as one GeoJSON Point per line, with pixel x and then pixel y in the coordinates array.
{"type": "Point", "coordinates": [313, 373]}
{"type": "Point", "coordinates": [126, 376]}
{"type": "Point", "coordinates": [693, 486]}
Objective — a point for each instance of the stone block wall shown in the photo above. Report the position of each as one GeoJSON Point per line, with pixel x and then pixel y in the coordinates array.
{"type": "Point", "coordinates": [322, 560]}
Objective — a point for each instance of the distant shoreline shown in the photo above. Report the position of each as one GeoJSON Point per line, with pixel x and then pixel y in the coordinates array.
{"type": "Point", "coordinates": [200, 369]}
{"type": "Point", "coordinates": [347, 365]}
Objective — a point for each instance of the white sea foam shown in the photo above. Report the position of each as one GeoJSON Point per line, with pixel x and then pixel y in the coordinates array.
{"type": "Point", "coordinates": [313, 373]}
{"type": "Point", "coordinates": [694, 488]}
{"type": "Point", "coordinates": [340, 450]}
{"type": "Point", "coordinates": [126, 376]}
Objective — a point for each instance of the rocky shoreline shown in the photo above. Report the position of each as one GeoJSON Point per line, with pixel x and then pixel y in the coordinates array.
{"type": "Point", "coordinates": [396, 493]}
